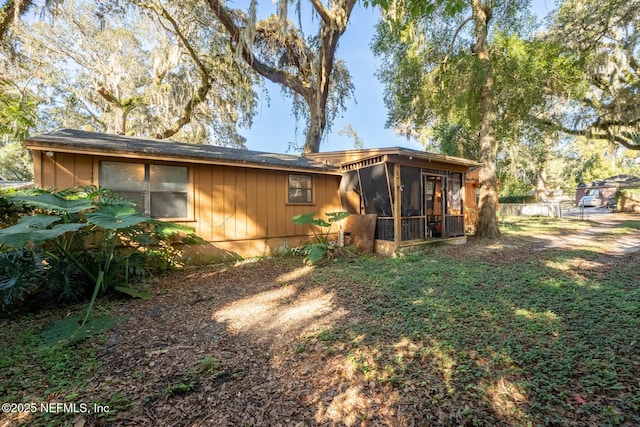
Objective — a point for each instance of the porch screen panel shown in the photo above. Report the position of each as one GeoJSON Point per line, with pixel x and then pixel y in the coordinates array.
{"type": "Point", "coordinates": [454, 196]}
{"type": "Point", "coordinates": [375, 190]}
{"type": "Point", "coordinates": [169, 189]}
{"type": "Point", "coordinates": [455, 218]}
{"type": "Point", "coordinates": [126, 180]}
{"type": "Point", "coordinates": [410, 179]}
{"type": "Point", "coordinates": [412, 207]}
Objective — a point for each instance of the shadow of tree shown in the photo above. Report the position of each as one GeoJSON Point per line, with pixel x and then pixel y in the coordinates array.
{"type": "Point", "coordinates": [468, 343]}
{"type": "Point", "coordinates": [507, 336]}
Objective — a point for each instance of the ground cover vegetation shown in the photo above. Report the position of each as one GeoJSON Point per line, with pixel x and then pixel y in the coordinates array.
{"type": "Point", "coordinates": [538, 327]}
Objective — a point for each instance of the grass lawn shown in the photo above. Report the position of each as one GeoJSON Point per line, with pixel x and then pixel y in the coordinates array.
{"type": "Point", "coordinates": [512, 332]}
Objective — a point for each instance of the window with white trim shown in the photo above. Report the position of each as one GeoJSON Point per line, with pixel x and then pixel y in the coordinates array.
{"type": "Point", "coordinates": [300, 189]}
{"type": "Point", "coordinates": [159, 191]}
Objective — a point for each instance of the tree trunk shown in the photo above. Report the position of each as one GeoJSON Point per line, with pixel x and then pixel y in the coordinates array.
{"type": "Point", "coordinates": [10, 12]}
{"type": "Point", "coordinates": [487, 225]}
{"type": "Point", "coordinates": [317, 125]}
{"type": "Point", "coordinates": [120, 119]}
{"type": "Point", "coordinates": [541, 185]}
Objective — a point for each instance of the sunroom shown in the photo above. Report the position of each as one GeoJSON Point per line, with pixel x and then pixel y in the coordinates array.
{"type": "Point", "coordinates": [417, 197]}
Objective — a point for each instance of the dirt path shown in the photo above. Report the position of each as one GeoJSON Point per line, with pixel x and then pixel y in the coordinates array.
{"type": "Point", "coordinates": [603, 224]}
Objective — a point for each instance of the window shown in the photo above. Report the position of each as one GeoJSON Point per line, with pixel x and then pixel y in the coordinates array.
{"type": "Point", "coordinates": [300, 189]}
{"type": "Point", "coordinates": [157, 190]}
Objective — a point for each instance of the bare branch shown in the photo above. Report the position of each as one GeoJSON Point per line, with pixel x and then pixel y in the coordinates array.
{"type": "Point", "coordinates": [201, 94]}
{"type": "Point", "coordinates": [455, 36]}
{"type": "Point", "coordinates": [276, 76]}
{"type": "Point", "coordinates": [325, 15]}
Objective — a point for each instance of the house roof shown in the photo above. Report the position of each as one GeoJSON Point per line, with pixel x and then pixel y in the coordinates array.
{"type": "Point", "coordinates": [83, 142]}
{"type": "Point", "coordinates": [612, 181]}
{"type": "Point", "coordinates": [350, 156]}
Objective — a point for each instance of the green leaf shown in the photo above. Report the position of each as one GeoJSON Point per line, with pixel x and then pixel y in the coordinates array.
{"type": "Point", "coordinates": [337, 216]}
{"type": "Point", "coordinates": [320, 222]}
{"type": "Point", "coordinates": [30, 223]}
{"type": "Point", "coordinates": [26, 230]}
{"type": "Point", "coordinates": [304, 219]}
{"type": "Point", "coordinates": [69, 330]}
{"type": "Point", "coordinates": [145, 239]}
{"type": "Point", "coordinates": [135, 293]}
{"type": "Point", "coordinates": [115, 217]}
{"type": "Point", "coordinates": [316, 252]}
{"type": "Point", "coordinates": [55, 203]}
{"type": "Point", "coordinates": [58, 230]}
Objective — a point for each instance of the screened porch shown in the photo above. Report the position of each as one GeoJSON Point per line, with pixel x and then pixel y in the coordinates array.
{"type": "Point", "coordinates": [414, 200]}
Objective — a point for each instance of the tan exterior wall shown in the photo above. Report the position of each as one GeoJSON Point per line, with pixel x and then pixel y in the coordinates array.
{"type": "Point", "coordinates": [240, 211]}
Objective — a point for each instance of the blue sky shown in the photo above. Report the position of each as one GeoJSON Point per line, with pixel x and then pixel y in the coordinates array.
{"type": "Point", "coordinates": [274, 127]}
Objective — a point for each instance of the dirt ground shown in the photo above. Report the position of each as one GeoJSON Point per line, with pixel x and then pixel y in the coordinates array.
{"type": "Point", "coordinates": [219, 345]}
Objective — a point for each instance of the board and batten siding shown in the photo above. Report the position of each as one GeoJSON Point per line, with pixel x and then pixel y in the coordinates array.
{"type": "Point", "coordinates": [239, 210]}
{"type": "Point", "coordinates": [244, 203]}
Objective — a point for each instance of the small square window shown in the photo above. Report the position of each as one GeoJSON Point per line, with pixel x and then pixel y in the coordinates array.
{"type": "Point", "coordinates": [300, 189]}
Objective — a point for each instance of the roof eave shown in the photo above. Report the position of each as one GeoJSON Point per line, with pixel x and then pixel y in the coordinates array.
{"type": "Point", "coordinates": [48, 145]}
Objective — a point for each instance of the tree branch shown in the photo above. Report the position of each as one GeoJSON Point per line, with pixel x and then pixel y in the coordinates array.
{"type": "Point", "coordinates": [276, 76]}
{"type": "Point", "coordinates": [455, 36]}
{"type": "Point", "coordinates": [108, 96]}
{"type": "Point", "coordinates": [12, 11]}
{"type": "Point", "coordinates": [325, 15]}
{"type": "Point", "coordinates": [205, 79]}
{"type": "Point", "coordinates": [593, 132]}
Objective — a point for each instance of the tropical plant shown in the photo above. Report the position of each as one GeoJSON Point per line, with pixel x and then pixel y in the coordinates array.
{"type": "Point", "coordinates": [321, 246]}
{"type": "Point", "coordinates": [76, 234]}
{"type": "Point", "coordinates": [21, 272]}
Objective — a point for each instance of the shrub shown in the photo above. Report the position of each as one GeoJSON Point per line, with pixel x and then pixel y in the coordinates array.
{"type": "Point", "coordinates": [80, 243]}
{"type": "Point", "coordinates": [525, 198]}
{"type": "Point", "coordinates": [321, 246]}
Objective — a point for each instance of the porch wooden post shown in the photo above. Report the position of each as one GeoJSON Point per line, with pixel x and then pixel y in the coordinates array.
{"type": "Point", "coordinates": [397, 217]}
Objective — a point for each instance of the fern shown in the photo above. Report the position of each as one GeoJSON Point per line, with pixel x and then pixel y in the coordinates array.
{"type": "Point", "coordinates": [22, 273]}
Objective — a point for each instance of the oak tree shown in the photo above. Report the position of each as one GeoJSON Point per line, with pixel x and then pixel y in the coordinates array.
{"type": "Point", "coordinates": [306, 67]}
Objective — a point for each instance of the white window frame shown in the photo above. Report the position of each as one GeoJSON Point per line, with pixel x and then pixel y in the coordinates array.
{"type": "Point", "coordinates": [147, 193]}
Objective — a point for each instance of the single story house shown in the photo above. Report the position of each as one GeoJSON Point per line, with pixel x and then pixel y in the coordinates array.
{"type": "Point", "coordinates": [242, 202]}
{"type": "Point", "coordinates": [606, 188]}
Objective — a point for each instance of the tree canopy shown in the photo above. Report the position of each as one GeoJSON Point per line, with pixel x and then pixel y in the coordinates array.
{"type": "Point", "coordinates": [195, 63]}
{"type": "Point", "coordinates": [442, 71]}
{"type": "Point", "coordinates": [148, 71]}
{"type": "Point", "coordinates": [533, 94]}
{"type": "Point", "coordinates": [603, 37]}
{"type": "Point", "coordinates": [306, 67]}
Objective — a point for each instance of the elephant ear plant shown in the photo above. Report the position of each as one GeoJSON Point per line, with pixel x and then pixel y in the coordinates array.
{"type": "Point", "coordinates": [321, 246]}
{"type": "Point", "coordinates": [84, 229]}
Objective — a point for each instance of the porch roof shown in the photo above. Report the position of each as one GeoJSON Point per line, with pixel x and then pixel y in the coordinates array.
{"type": "Point", "coordinates": [352, 156]}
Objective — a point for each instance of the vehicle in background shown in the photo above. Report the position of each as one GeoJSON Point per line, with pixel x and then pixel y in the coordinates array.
{"type": "Point", "coordinates": [592, 198]}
